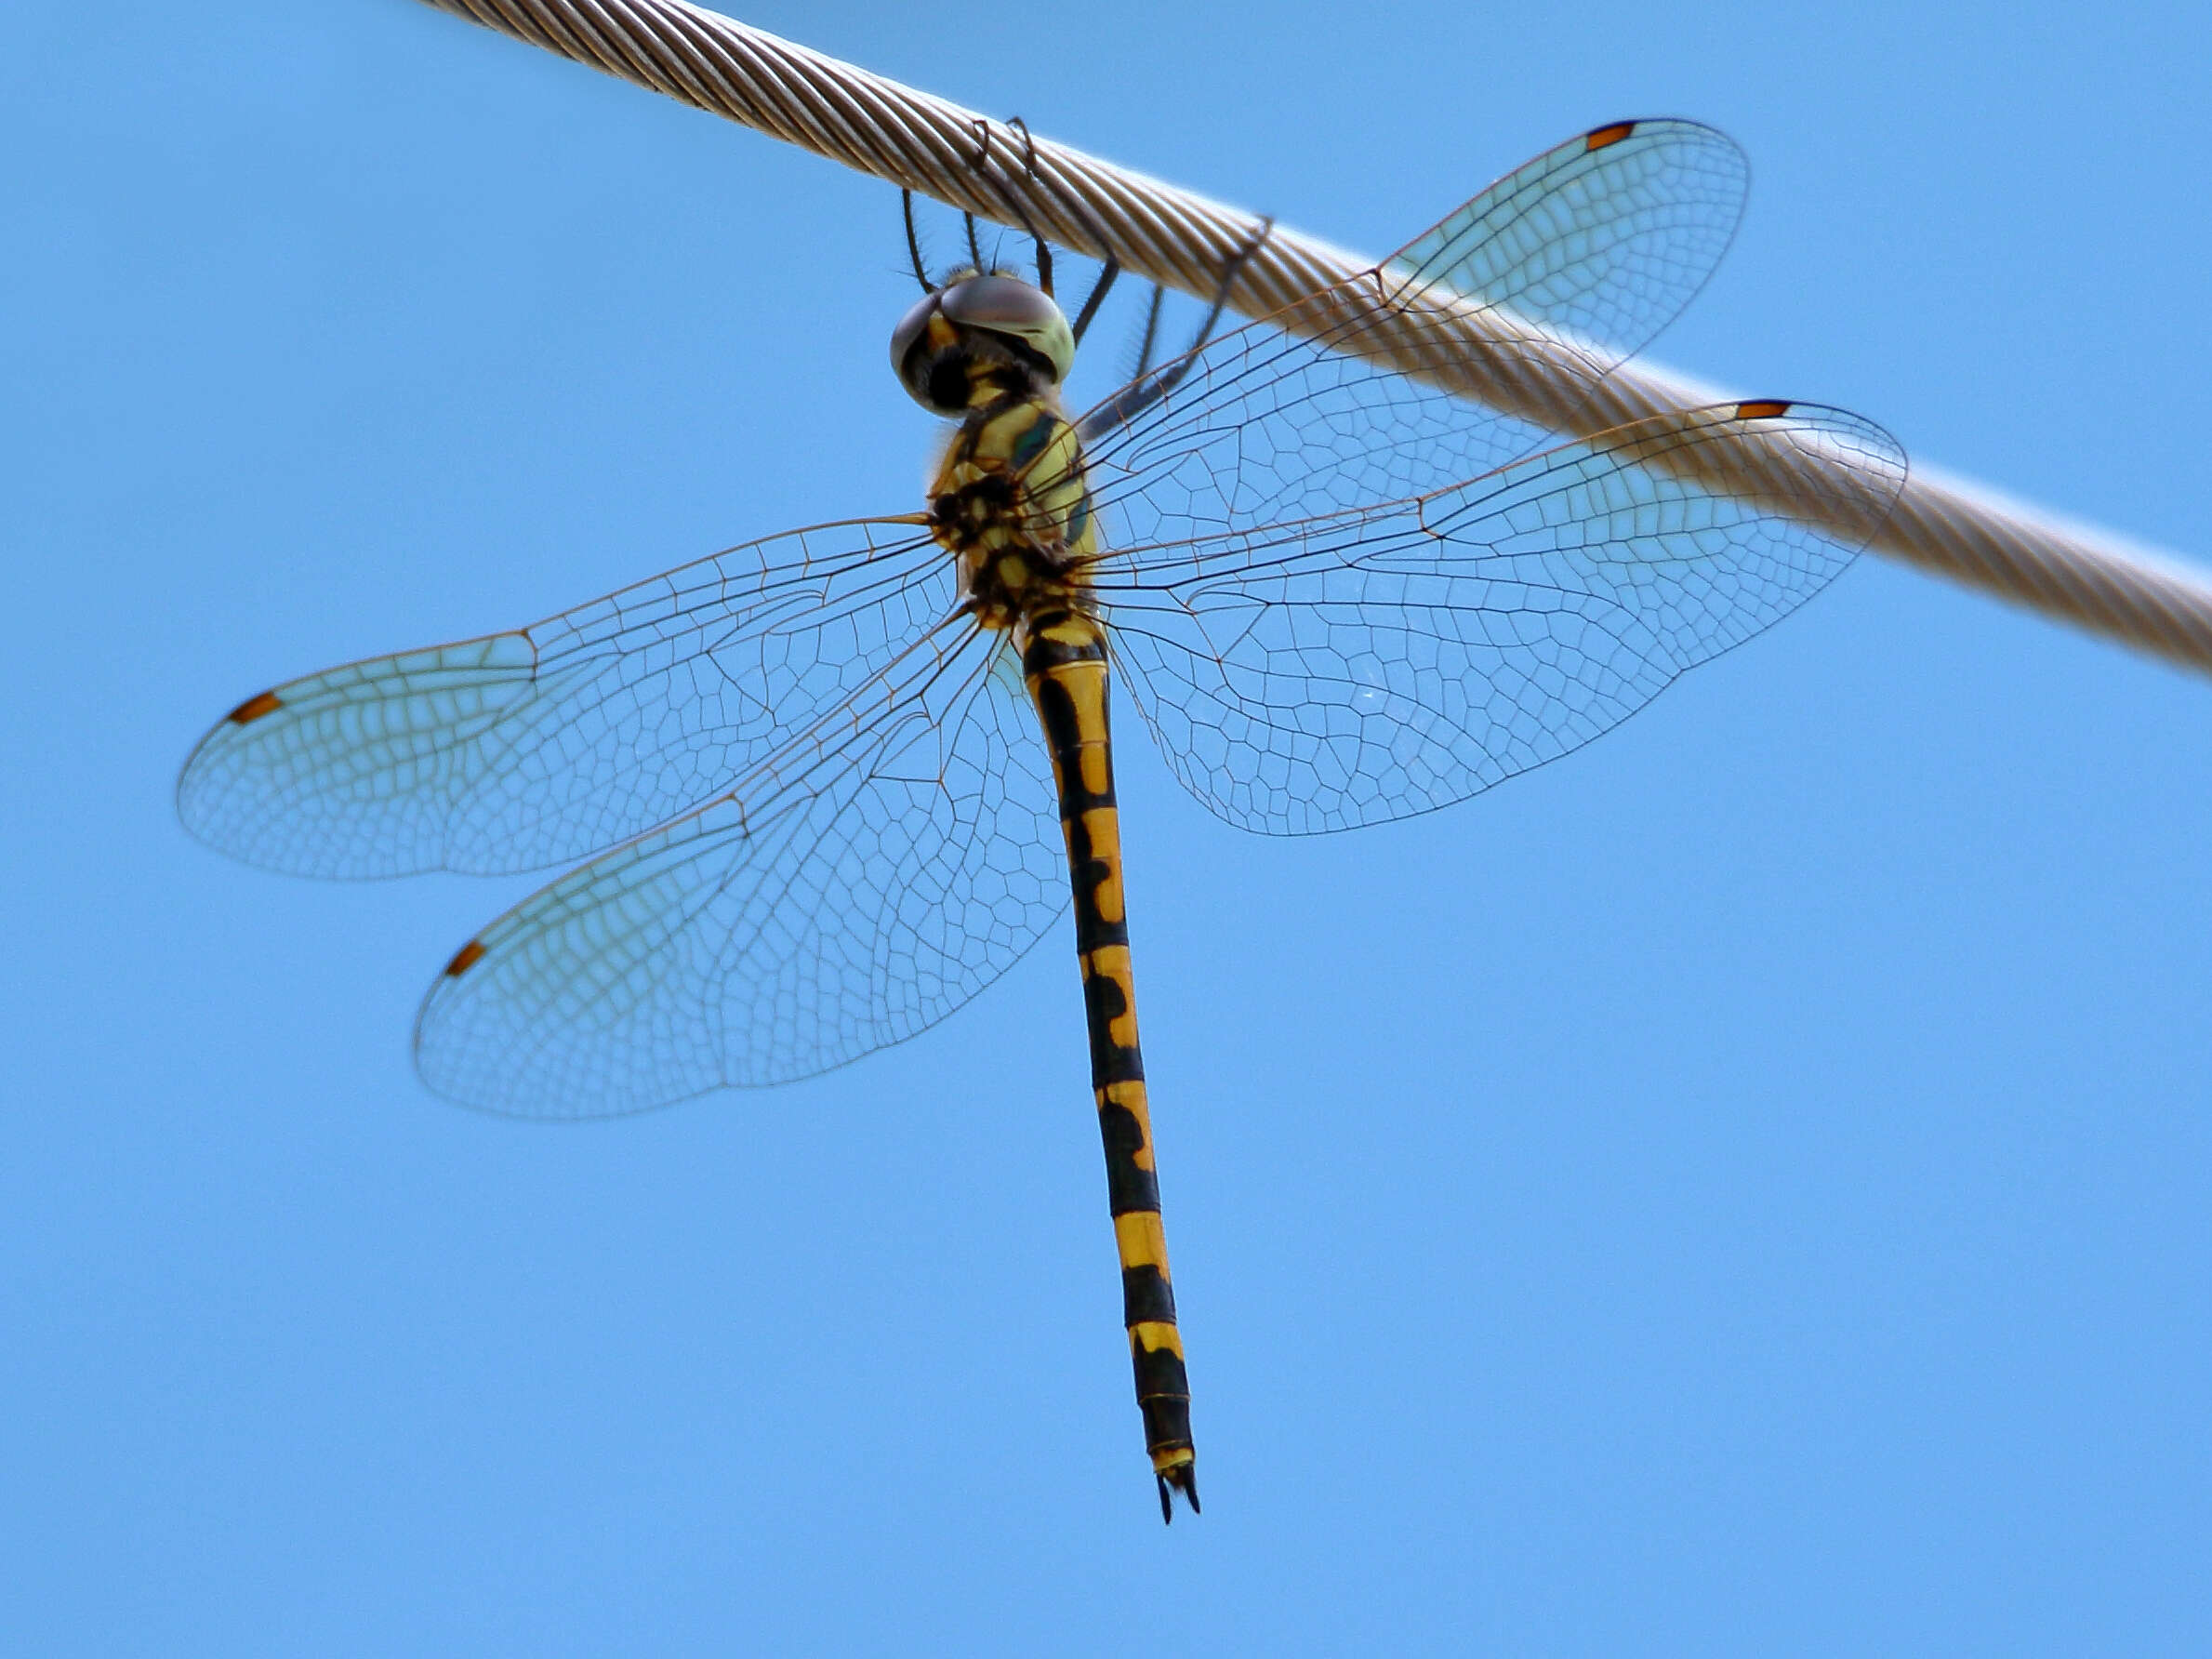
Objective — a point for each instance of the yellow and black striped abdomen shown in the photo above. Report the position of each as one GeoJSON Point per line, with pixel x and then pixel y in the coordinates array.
{"type": "Point", "coordinates": [1012, 504]}
{"type": "Point", "coordinates": [1064, 661]}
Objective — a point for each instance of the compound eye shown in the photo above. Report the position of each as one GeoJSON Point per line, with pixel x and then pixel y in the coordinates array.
{"type": "Point", "coordinates": [1009, 306]}
{"type": "Point", "coordinates": [907, 335]}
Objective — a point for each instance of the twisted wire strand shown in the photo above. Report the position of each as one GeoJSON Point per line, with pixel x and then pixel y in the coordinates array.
{"type": "Point", "coordinates": [1172, 236]}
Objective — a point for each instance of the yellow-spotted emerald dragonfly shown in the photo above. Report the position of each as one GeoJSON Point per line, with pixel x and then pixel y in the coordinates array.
{"type": "Point", "coordinates": [832, 783]}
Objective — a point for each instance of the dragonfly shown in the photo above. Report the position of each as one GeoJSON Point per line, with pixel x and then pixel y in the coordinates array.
{"type": "Point", "coordinates": [830, 784]}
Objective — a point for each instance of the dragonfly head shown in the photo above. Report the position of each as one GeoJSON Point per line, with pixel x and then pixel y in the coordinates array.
{"type": "Point", "coordinates": [988, 325]}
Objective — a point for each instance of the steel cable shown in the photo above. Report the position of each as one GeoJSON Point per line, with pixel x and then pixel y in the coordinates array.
{"type": "Point", "coordinates": [1172, 236]}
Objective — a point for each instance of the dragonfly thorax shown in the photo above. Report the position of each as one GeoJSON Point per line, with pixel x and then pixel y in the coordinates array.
{"type": "Point", "coordinates": [1006, 587]}
{"type": "Point", "coordinates": [1011, 505]}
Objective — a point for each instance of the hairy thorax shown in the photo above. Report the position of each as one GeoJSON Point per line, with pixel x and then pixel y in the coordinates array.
{"type": "Point", "coordinates": [1011, 505]}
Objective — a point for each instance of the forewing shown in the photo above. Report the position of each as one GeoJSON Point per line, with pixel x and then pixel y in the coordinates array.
{"type": "Point", "coordinates": [1576, 260]}
{"type": "Point", "coordinates": [551, 742]}
{"type": "Point", "coordinates": [1369, 665]}
{"type": "Point", "coordinates": [869, 880]}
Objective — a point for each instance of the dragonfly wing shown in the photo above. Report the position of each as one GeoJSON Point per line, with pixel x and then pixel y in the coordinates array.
{"type": "Point", "coordinates": [548, 743]}
{"type": "Point", "coordinates": [1603, 240]}
{"type": "Point", "coordinates": [1369, 665]}
{"type": "Point", "coordinates": [858, 886]}
{"type": "Point", "coordinates": [1598, 244]}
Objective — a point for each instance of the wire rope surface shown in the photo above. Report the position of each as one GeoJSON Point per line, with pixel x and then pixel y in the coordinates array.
{"type": "Point", "coordinates": [1169, 235]}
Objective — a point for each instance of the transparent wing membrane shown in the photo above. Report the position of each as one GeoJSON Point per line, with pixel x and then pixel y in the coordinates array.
{"type": "Point", "coordinates": [541, 746]}
{"type": "Point", "coordinates": [1578, 258]}
{"type": "Point", "coordinates": [1603, 240]}
{"type": "Point", "coordinates": [859, 886]}
{"type": "Point", "coordinates": [1339, 594]}
{"type": "Point", "coordinates": [1370, 664]}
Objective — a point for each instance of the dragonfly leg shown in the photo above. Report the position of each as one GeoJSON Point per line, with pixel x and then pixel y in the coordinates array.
{"type": "Point", "coordinates": [921, 276]}
{"type": "Point", "coordinates": [1151, 337]}
{"type": "Point", "coordinates": [1044, 248]}
{"type": "Point", "coordinates": [1229, 274]}
{"type": "Point", "coordinates": [1146, 389]}
{"type": "Point", "coordinates": [1064, 661]}
{"type": "Point", "coordinates": [1083, 215]}
{"type": "Point", "coordinates": [1106, 273]}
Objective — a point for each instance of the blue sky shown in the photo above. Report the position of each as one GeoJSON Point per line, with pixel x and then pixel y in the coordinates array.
{"type": "Point", "coordinates": [1743, 1190]}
